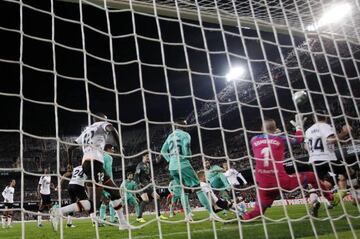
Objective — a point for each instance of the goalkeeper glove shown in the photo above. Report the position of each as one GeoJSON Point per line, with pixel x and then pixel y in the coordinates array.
{"type": "Point", "coordinates": [298, 122]}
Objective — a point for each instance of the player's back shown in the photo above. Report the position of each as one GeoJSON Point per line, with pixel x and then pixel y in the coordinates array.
{"type": "Point", "coordinates": [45, 182]}
{"type": "Point", "coordinates": [78, 176]}
{"type": "Point", "coordinates": [93, 140]}
{"type": "Point", "coordinates": [316, 139]}
{"type": "Point", "coordinates": [178, 150]}
{"type": "Point", "coordinates": [268, 150]}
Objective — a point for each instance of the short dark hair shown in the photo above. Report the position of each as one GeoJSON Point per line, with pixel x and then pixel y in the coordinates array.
{"type": "Point", "coordinates": [181, 121]}
{"type": "Point", "coordinates": [128, 173]}
{"type": "Point", "coordinates": [329, 179]}
{"type": "Point", "coordinates": [107, 146]}
{"type": "Point", "coordinates": [320, 115]}
{"type": "Point", "coordinates": [99, 117]}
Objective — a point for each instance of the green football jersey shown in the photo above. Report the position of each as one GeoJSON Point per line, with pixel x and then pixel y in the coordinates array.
{"type": "Point", "coordinates": [175, 188]}
{"type": "Point", "coordinates": [130, 185]}
{"type": "Point", "coordinates": [176, 150]}
{"type": "Point", "coordinates": [213, 172]}
{"type": "Point", "coordinates": [108, 161]}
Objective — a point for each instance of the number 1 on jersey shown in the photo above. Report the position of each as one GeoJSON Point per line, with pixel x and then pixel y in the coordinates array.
{"type": "Point", "coordinates": [266, 153]}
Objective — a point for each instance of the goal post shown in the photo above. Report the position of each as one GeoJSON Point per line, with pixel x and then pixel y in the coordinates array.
{"type": "Point", "coordinates": [238, 14]}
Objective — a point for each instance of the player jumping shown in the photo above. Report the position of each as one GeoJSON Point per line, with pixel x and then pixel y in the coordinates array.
{"type": "Point", "coordinates": [93, 140]}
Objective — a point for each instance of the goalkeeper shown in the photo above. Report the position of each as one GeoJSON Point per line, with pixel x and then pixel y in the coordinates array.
{"type": "Point", "coordinates": [108, 161]}
{"type": "Point", "coordinates": [176, 151]}
{"type": "Point", "coordinates": [130, 184]}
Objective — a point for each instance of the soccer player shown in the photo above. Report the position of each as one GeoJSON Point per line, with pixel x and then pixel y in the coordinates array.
{"type": "Point", "coordinates": [216, 177]}
{"type": "Point", "coordinates": [176, 151]}
{"type": "Point", "coordinates": [233, 176]}
{"type": "Point", "coordinates": [108, 161]}
{"type": "Point", "coordinates": [218, 204]}
{"type": "Point", "coordinates": [143, 178]}
{"type": "Point", "coordinates": [130, 184]}
{"type": "Point", "coordinates": [8, 195]}
{"type": "Point", "coordinates": [76, 187]}
{"type": "Point", "coordinates": [44, 190]}
{"type": "Point", "coordinates": [93, 140]}
{"type": "Point", "coordinates": [320, 143]}
{"type": "Point", "coordinates": [176, 195]}
{"type": "Point", "coordinates": [269, 150]}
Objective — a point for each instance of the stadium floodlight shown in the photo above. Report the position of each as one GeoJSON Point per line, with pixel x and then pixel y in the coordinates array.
{"type": "Point", "coordinates": [235, 73]}
{"type": "Point", "coordinates": [333, 15]}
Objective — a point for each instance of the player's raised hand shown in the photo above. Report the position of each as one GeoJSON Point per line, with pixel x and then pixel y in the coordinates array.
{"type": "Point", "coordinates": [299, 121]}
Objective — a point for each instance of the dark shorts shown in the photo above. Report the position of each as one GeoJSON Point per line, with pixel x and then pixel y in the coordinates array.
{"type": "Point", "coordinates": [45, 199]}
{"type": "Point", "coordinates": [8, 205]}
{"type": "Point", "coordinates": [149, 191]}
{"type": "Point", "coordinates": [77, 193]}
{"type": "Point", "coordinates": [99, 173]}
{"type": "Point", "coordinates": [101, 178]}
{"type": "Point", "coordinates": [323, 168]}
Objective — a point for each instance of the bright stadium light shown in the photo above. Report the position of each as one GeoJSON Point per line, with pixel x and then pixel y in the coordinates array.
{"type": "Point", "coordinates": [235, 73]}
{"type": "Point", "coordinates": [333, 15]}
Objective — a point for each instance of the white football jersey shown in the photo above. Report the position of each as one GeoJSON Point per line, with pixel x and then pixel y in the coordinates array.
{"type": "Point", "coordinates": [45, 182]}
{"type": "Point", "coordinates": [93, 140]}
{"type": "Point", "coordinates": [316, 140]}
{"type": "Point", "coordinates": [8, 194]}
{"type": "Point", "coordinates": [231, 175]}
{"type": "Point", "coordinates": [78, 176]}
{"type": "Point", "coordinates": [205, 187]}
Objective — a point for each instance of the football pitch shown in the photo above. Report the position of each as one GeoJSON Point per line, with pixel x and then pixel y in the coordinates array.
{"type": "Point", "coordinates": [202, 228]}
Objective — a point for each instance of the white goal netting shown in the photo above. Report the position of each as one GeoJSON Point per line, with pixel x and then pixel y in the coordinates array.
{"type": "Point", "coordinates": [226, 66]}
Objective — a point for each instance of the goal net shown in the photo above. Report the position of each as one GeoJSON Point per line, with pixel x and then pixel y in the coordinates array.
{"type": "Point", "coordinates": [227, 67]}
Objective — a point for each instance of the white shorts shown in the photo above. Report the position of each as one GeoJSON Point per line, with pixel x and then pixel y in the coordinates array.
{"type": "Point", "coordinates": [94, 155]}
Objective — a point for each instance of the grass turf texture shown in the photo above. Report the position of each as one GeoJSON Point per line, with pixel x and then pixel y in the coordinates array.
{"type": "Point", "coordinates": [301, 228]}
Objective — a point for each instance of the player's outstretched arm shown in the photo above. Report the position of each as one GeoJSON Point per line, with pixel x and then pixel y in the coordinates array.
{"type": "Point", "coordinates": [345, 131]}
{"type": "Point", "coordinates": [111, 129]}
{"type": "Point", "coordinates": [298, 123]}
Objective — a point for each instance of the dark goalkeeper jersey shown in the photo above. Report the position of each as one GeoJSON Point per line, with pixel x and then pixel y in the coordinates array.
{"type": "Point", "coordinates": [142, 174]}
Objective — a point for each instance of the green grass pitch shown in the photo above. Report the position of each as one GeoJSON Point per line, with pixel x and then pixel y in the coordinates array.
{"type": "Point", "coordinates": [301, 227]}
